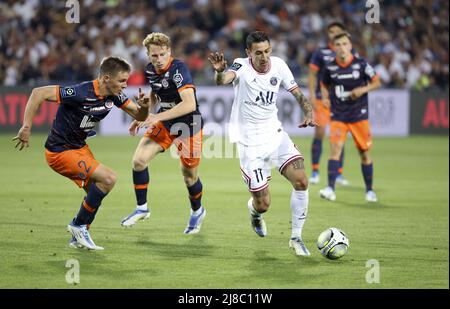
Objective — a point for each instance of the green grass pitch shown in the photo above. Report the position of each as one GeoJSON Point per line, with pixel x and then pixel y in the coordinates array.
{"type": "Point", "coordinates": [406, 232]}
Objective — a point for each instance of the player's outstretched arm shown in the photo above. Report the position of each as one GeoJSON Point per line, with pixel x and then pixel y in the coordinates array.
{"type": "Point", "coordinates": [219, 65]}
{"type": "Point", "coordinates": [306, 107]}
{"type": "Point", "coordinates": [186, 106]}
{"type": "Point", "coordinates": [38, 95]}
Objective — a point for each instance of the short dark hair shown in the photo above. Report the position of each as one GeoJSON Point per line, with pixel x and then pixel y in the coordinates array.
{"type": "Point", "coordinates": [256, 37]}
{"type": "Point", "coordinates": [341, 35]}
{"type": "Point", "coordinates": [112, 65]}
{"type": "Point", "coordinates": [336, 24]}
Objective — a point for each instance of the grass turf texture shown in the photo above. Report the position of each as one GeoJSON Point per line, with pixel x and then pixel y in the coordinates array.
{"type": "Point", "coordinates": [407, 231]}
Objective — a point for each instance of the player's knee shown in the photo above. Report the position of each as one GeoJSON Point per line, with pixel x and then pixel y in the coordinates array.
{"type": "Point", "coordinates": [300, 183]}
{"type": "Point", "coordinates": [110, 179]}
{"type": "Point", "coordinates": [139, 164]}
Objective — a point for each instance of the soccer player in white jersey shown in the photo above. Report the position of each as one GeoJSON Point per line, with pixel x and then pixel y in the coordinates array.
{"type": "Point", "coordinates": [254, 125]}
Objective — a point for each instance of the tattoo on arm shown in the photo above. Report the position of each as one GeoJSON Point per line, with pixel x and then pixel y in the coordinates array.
{"type": "Point", "coordinates": [304, 103]}
{"type": "Point", "coordinates": [219, 78]}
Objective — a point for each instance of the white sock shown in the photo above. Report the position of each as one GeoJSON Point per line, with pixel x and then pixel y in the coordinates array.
{"type": "Point", "coordinates": [142, 207]}
{"type": "Point", "coordinates": [197, 212]}
{"type": "Point", "coordinates": [299, 209]}
{"type": "Point", "coordinates": [252, 209]}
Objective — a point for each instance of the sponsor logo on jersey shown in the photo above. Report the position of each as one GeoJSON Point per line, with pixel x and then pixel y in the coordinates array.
{"type": "Point", "coordinates": [235, 66]}
{"type": "Point", "coordinates": [67, 92]}
{"type": "Point", "coordinates": [356, 66]}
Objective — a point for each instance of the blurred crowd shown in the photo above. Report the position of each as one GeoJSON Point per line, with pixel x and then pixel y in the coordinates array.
{"type": "Point", "coordinates": [408, 48]}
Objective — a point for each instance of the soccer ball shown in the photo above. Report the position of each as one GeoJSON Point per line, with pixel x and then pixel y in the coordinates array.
{"type": "Point", "coordinates": [333, 243]}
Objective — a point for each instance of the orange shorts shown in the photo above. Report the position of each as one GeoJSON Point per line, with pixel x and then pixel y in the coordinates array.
{"type": "Point", "coordinates": [321, 114]}
{"type": "Point", "coordinates": [189, 148]}
{"type": "Point", "coordinates": [76, 164]}
{"type": "Point", "coordinates": [360, 131]}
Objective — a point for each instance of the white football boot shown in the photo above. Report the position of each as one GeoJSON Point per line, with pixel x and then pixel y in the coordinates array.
{"type": "Point", "coordinates": [195, 222]}
{"type": "Point", "coordinates": [298, 245]}
{"type": "Point", "coordinates": [371, 197]}
{"type": "Point", "coordinates": [328, 194]}
{"type": "Point", "coordinates": [258, 223]}
{"type": "Point", "coordinates": [81, 234]}
{"type": "Point", "coordinates": [135, 216]}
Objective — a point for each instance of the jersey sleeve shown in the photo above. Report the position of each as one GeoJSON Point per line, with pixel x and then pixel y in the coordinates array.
{"type": "Point", "coordinates": [182, 77]}
{"type": "Point", "coordinates": [237, 67]}
{"type": "Point", "coordinates": [316, 61]}
{"type": "Point", "coordinates": [369, 72]}
{"type": "Point", "coordinates": [121, 100]}
{"type": "Point", "coordinates": [287, 78]}
{"type": "Point", "coordinates": [69, 94]}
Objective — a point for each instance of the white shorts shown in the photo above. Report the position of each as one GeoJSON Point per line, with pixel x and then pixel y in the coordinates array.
{"type": "Point", "coordinates": [257, 161]}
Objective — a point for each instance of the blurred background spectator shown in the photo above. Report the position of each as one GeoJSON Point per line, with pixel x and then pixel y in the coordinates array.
{"type": "Point", "coordinates": [409, 47]}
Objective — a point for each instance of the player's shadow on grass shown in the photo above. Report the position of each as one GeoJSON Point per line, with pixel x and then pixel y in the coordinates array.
{"type": "Point", "coordinates": [269, 268]}
{"type": "Point", "coordinates": [195, 247]}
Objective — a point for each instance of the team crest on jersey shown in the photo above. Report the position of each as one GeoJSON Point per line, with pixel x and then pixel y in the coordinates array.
{"type": "Point", "coordinates": [67, 92]}
{"type": "Point", "coordinates": [235, 66]}
{"type": "Point", "coordinates": [355, 74]}
{"type": "Point", "coordinates": [109, 104]}
{"type": "Point", "coordinates": [273, 81]}
{"type": "Point", "coordinates": [177, 78]}
{"type": "Point", "coordinates": [165, 83]}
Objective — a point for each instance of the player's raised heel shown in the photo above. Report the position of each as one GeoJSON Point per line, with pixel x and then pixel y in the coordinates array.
{"type": "Point", "coordinates": [298, 245]}
{"type": "Point", "coordinates": [342, 181]}
{"type": "Point", "coordinates": [195, 222]}
{"type": "Point", "coordinates": [371, 197]}
{"type": "Point", "coordinates": [328, 194]}
{"type": "Point", "coordinates": [315, 178]}
{"type": "Point", "coordinates": [82, 236]}
{"type": "Point", "coordinates": [135, 216]}
{"type": "Point", "coordinates": [258, 223]}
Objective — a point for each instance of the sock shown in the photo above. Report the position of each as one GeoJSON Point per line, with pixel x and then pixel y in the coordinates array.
{"type": "Point", "coordinates": [142, 207]}
{"type": "Point", "coordinates": [195, 195]}
{"type": "Point", "coordinates": [341, 162]}
{"type": "Point", "coordinates": [333, 166]}
{"type": "Point", "coordinates": [89, 206]}
{"type": "Point", "coordinates": [299, 210]}
{"type": "Point", "coordinates": [252, 209]}
{"type": "Point", "coordinates": [197, 212]}
{"type": "Point", "coordinates": [316, 151]}
{"type": "Point", "coordinates": [141, 180]}
{"type": "Point", "coordinates": [367, 171]}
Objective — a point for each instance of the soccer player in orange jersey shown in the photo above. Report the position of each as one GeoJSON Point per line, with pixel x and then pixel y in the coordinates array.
{"type": "Point", "coordinates": [178, 121]}
{"type": "Point", "coordinates": [345, 84]}
{"type": "Point", "coordinates": [81, 106]}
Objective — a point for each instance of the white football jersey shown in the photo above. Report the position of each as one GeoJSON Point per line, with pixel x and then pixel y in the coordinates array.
{"type": "Point", "coordinates": [254, 119]}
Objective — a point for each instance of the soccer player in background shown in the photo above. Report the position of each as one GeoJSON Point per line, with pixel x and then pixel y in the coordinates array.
{"type": "Point", "coordinates": [81, 106]}
{"type": "Point", "coordinates": [262, 142]}
{"type": "Point", "coordinates": [319, 59]}
{"type": "Point", "coordinates": [178, 121]}
{"type": "Point", "coordinates": [345, 83]}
